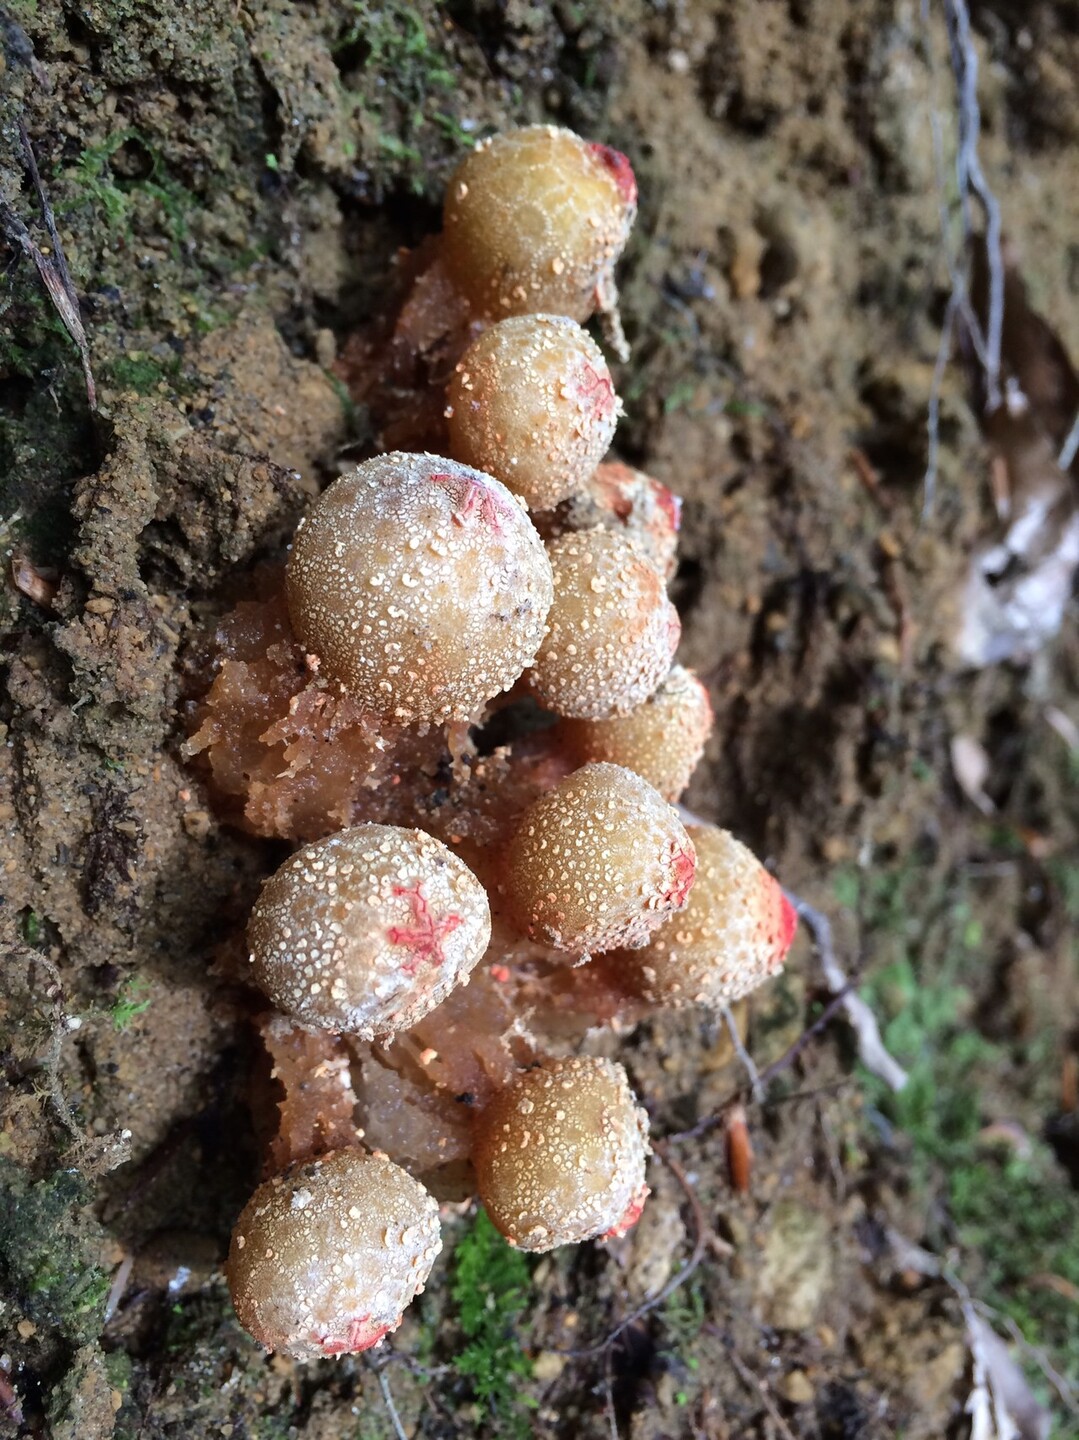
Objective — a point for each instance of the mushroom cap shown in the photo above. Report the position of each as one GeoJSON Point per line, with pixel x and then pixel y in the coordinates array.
{"type": "Point", "coordinates": [421, 585]}
{"type": "Point", "coordinates": [611, 632]}
{"type": "Point", "coordinates": [732, 936]}
{"type": "Point", "coordinates": [597, 863]}
{"type": "Point", "coordinates": [628, 501]}
{"type": "Point", "coordinates": [325, 1257]}
{"type": "Point", "coordinates": [532, 402]}
{"type": "Point", "coordinates": [662, 740]}
{"type": "Point", "coordinates": [367, 930]}
{"type": "Point", "coordinates": [535, 219]}
{"type": "Point", "coordinates": [560, 1154]}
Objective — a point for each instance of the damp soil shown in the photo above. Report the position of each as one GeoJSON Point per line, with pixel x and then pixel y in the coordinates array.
{"type": "Point", "coordinates": [231, 185]}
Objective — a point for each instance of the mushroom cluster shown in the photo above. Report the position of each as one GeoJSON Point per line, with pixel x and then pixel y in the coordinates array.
{"type": "Point", "coordinates": [460, 695]}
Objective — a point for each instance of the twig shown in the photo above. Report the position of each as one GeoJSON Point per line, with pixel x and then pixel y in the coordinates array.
{"type": "Point", "coordinates": [744, 1056]}
{"type": "Point", "coordinates": [826, 1016]}
{"type": "Point", "coordinates": [871, 1048]}
{"type": "Point", "coordinates": [709, 1122]}
{"type": "Point", "coordinates": [754, 1382]}
{"type": "Point", "coordinates": [608, 1398]}
{"type": "Point", "coordinates": [971, 179]}
{"type": "Point", "coordinates": [700, 1233]}
{"type": "Point", "coordinates": [1070, 446]}
{"type": "Point", "coordinates": [52, 268]}
{"type": "Point", "coordinates": [976, 1315]}
{"type": "Point", "coordinates": [387, 1396]}
{"type": "Point", "coordinates": [968, 168]}
{"type": "Point", "coordinates": [1058, 1382]}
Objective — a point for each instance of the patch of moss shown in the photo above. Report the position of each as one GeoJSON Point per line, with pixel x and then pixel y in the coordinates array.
{"type": "Point", "coordinates": [115, 197]}
{"type": "Point", "coordinates": [130, 1003]}
{"type": "Point", "coordinates": [398, 72]}
{"type": "Point", "coordinates": [47, 1238]}
{"type": "Point", "coordinates": [1010, 1214]}
{"type": "Point", "coordinates": [142, 373]}
{"type": "Point", "coordinates": [490, 1286]}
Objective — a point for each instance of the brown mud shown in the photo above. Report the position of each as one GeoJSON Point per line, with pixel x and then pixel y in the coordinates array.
{"type": "Point", "coordinates": [231, 183]}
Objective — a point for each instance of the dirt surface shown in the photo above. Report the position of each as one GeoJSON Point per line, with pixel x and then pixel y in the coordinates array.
{"type": "Point", "coordinates": [231, 183]}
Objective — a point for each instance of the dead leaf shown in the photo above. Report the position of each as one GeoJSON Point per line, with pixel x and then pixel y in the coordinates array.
{"type": "Point", "coordinates": [970, 764]}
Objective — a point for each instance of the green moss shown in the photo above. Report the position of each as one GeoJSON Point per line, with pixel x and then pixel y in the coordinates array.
{"type": "Point", "coordinates": [398, 81]}
{"type": "Point", "coordinates": [31, 927]}
{"type": "Point", "coordinates": [1010, 1215]}
{"type": "Point", "coordinates": [22, 11]}
{"type": "Point", "coordinates": [115, 198]}
{"type": "Point", "coordinates": [491, 1286]}
{"type": "Point", "coordinates": [135, 372]}
{"type": "Point", "coordinates": [128, 1004]}
{"type": "Point", "coordinates": [47, 1236]}
{"type": "Point", "coordinates": [683, 1316]}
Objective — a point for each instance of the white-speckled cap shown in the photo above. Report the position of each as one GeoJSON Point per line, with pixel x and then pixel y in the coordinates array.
{"type": "Point", "coordinates": [560, 1154]}
{"type": "Point", "coordinates": [532, 402]}
{"type": "Point", "coordinates": [367, 930]}
{"type": "Point", "coordinates": [420, 585]}
{"type": "Point", "coordinates": [325, 1257]}
{"type": "Point", "coordinates": [732, 936]}
{"type": "Point", "coordinates": [611, 632]}
{"type": "Point", "coordinates": [597, 863]}
{"type": "Point", "coordinates": [662, 740]}
{"type": "Point", "coordinates": [534, 220]}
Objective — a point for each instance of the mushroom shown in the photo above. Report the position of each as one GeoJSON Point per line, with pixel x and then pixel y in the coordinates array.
{"type": "Point", "coordinates": [418, 590]}
{"type": "Point", "coordinates": [661, 740]}
{"type": "Point", "coordinates": [532, 402]}
{"type": "Point", "coordinates": [732, 936]}
{"type": "Point", "coordinates": [597, 863]}
{"type": "Point", "coordinates": [534, 221]}
{"type": "Point", "coordinates": [367, 930]}
{"type": "Point", "coordinates": [560, 1154]}
{"type": "Point", "coordinates": [325, 1257]}
{"type": "Point", "coordinates": [627, 501]}
{"type": "Point", "coordinates": [420, 585]}
{"type": "Point", "coordinates": [611, 632]}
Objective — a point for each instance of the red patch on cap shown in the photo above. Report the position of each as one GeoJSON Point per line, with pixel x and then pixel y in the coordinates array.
{"type": "Point", "coordinates": [425, 935]}
{"type": "Point", "coordinates": [683, 868]}
{"type": "Point", "coordinates": [596, 390]}
{"type": "Point", "coordinates": [474, 500]}
{"type": "Point", "coordinates": [359, 1337]}
{"type": "Point", "coordinates": [620, 170]}
{"type": "Point", "coordinates": [630, 1217]}
{"type": "Point", "coordinates": [788, 923]}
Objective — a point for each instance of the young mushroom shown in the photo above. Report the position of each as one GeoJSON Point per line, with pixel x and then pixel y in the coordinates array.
{"type": "Point", "coordinates": [597, 863]}
{"type": "Point", "coordinates": [612, 631]}
{"type": "Point", "coordinates": [560, 1155]}
{"type": "Point", "coordinates": [325, 1258]}
{"type": "Point", "coordinates": [732, 936]}
{"type": "Point", "coordinates": [661, 740]}
{"type": "Point", "coordinates": [535, 219]}
{"type": "Point", "coordinates": [532, 403]}
{"type": "Point", "coordinates": [627, 501]}
{"type": "Point", "coordinates": [420, 585]}
{"type": "Point", "coordinates": [366, 931]}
